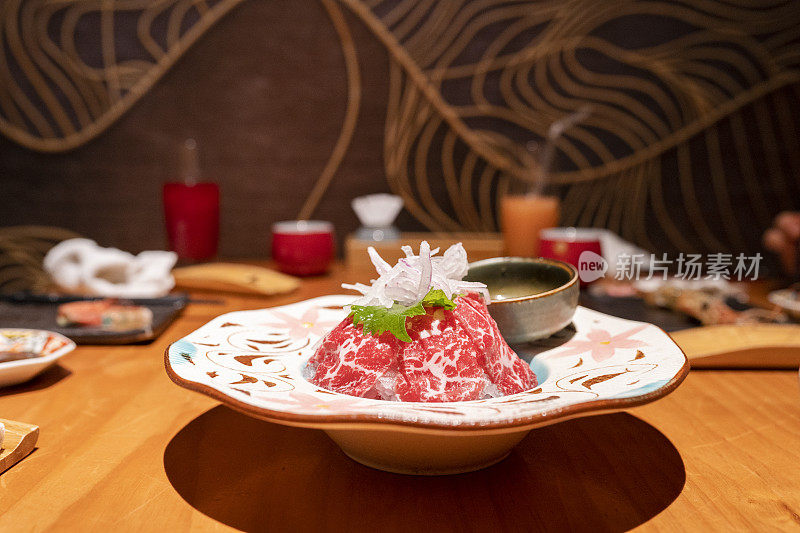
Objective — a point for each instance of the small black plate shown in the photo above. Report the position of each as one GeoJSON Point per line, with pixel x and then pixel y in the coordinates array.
{"type": "Point", "coordinates": [43, 316]}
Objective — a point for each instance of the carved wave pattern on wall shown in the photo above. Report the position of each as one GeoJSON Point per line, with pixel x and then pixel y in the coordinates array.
{"type": "Point", "coordinates": [672, 86]}
{"type": "Point", "coordinates": [58, 89]}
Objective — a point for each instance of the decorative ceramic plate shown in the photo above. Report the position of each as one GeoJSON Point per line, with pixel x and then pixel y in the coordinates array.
{"type": "Point", "coordinates": [253, 361]}
{"type": "Point", "coordinates": [46, 345]}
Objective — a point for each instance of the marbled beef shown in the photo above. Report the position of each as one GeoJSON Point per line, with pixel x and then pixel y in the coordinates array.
{"type": "Point", "coordinates": [453, 355]}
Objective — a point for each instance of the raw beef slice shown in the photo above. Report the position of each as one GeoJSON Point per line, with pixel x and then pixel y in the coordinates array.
{"type": "Point", "coordinates": [453, 355]}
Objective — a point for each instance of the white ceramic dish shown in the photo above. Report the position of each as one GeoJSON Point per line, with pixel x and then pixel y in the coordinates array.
{"type": "Point", "coordinates": [253, 360]}
{"type": "Point", "coordinates": [49, 345]}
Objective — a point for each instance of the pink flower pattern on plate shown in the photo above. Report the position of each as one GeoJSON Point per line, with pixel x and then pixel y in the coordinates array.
{"type": "Point", "coordinates": [601, 345]}
{"type": "Point", "coordinates": [300, 328]}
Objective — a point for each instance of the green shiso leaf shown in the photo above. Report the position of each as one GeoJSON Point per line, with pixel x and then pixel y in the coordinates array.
{"type": "Point", "coordinates": [437, 298]}
{"type": "Point", "coordinates": [376, 319]}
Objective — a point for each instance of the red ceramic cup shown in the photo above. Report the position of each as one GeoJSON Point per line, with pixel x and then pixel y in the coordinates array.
{"type": "Point", "coordinates": [567, 244]}
{"type": "Point", "coordinates": [302, 247]}
{"type": "Point", "coordinates": [191, 213]}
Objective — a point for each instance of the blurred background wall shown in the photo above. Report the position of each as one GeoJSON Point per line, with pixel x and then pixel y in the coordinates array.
{"type": "Point", "coordinates": [698, 103]}
{"type": "Point", "coordinates": [263, 92]}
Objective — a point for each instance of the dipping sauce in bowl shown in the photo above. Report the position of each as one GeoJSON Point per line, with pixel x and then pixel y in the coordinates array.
{"type": "Point", "coordinates": [531, 298]}
{"type": "Point", "coordinates": [518, 289]}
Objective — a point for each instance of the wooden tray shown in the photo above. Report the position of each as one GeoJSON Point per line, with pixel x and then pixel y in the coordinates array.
{"type": "Point", "coordinates": [741, 346]}
{"type": "Point", "coordinates": [478, 246]}
{"type": "Point", "coordinates": [20, 440]}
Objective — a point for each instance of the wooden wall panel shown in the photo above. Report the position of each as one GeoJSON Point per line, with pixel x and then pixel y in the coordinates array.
{"type": "Point", "coordinates": [264, 94]}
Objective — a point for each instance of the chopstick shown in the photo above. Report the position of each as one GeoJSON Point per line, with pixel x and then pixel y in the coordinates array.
{"type": "Point", "coordinates": [796, 274]}
{"type": "Point", "coordinates": [32, 298]}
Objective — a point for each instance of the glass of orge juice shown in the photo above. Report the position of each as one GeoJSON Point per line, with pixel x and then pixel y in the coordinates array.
{"type": "Point", "coordinates": [529, 205]}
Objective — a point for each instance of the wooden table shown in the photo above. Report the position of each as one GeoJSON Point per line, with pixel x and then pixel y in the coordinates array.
{"type": "Point", "coordinates": [123, 448]}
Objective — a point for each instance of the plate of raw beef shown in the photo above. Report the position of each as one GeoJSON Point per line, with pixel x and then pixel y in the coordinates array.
{"type": "Point", "coordinates": [258, 362]}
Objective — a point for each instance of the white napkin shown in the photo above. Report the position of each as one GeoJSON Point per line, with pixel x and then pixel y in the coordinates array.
{"type": "Point", "coordinates": [614, 247]}
{"type": "Point", "coordinates": [81, 266]}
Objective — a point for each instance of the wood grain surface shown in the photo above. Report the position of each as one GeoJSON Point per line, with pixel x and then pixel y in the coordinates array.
{"type": "Point", "coordinates": [478, 246]}
{"type": "Point", "coordinates": [123, 448]}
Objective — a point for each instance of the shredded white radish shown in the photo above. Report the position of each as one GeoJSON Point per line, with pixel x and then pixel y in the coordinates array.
{"type": "Point", "coordinates": [414, 276]}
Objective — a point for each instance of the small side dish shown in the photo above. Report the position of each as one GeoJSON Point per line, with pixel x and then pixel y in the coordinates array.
{"type": "Point", "coordinates": [24, 353]}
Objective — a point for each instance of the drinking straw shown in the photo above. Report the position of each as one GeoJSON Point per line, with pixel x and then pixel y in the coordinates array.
{"type": "Point", "coordinates": [796, 275]}
{"type": "Point", "coordinates": [190, 163]}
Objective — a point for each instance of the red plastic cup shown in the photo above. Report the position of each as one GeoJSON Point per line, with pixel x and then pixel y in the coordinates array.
{"type": "Point", "coordinates": [191, 213]}
{"type": "Point", "coordinates": [567, 244]}
{"type": "Point", "coordinates": [302, 247]}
